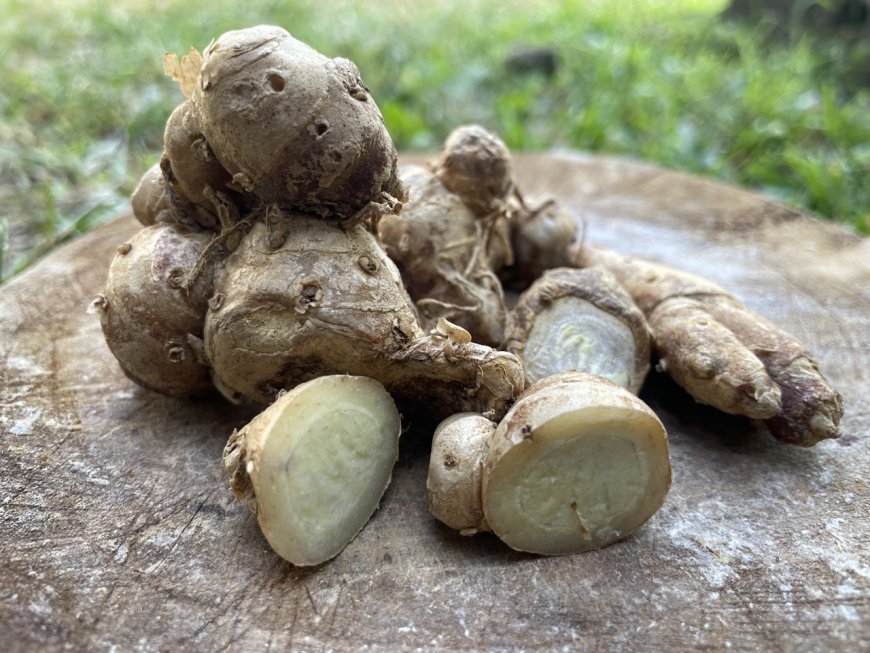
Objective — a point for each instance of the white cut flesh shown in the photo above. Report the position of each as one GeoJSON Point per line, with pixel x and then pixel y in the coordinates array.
{"type": "Point", "coordinates": [326, 459]}
{"type": "Point", "coordinates": [573, 334]}
{"type": "Point", "coordinates": [583, 479]}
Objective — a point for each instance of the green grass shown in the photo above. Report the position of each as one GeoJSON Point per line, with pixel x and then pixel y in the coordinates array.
{"type": "Point", "coordinates": [84, 98]}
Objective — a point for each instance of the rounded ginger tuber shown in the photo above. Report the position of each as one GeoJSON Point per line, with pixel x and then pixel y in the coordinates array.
{"type": "Point", "coordinates": [576, 464]}
{"type": "Point", "coordinates": [193, 174]}
{"type": "Point", "coordinates": [292, 126]}
{"type": "Point", "coordinates": [329, 300]}
{"type": "Point", "coordinates": [151, 321]}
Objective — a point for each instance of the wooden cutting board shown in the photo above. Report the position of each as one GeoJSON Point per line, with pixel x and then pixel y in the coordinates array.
{"type": "Point", "coordinates": [119, 533]}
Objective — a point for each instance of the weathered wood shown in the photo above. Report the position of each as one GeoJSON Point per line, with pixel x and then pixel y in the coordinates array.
{"type": "Point", "coordinates": [120, 534]}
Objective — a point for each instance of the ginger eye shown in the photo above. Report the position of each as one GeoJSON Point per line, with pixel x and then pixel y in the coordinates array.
{"type": "Point", "coordinates": [276, 82]}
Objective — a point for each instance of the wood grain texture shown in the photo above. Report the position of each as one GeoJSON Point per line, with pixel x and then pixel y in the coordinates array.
{"type": "Point", "coordinates": [119, 534]}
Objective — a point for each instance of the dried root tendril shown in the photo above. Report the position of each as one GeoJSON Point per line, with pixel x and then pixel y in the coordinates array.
{"type": "Point", "coordinates": [371, 213]}
{"type": "Point", "coordinates": [233, 229]}
{"type": "Point", "coordinates": [484, 227]}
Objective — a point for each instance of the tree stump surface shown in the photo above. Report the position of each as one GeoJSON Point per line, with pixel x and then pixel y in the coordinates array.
{"type": "Point", "coordinates": [119, 532]}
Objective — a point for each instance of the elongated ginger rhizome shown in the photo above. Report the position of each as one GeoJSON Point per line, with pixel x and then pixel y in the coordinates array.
{"type": "Point", "coordinates": [725, 355]}
{"type": "Point", "coordinates": [453, 234]}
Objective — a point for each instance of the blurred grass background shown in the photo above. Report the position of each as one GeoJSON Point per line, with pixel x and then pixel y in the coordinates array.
{"type": "Point", "coordinates": [764, 105]}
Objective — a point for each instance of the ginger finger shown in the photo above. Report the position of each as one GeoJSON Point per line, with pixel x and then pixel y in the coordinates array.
{"type": "Point", "coordinates": [453, 486]}
{"type": "Point", "coordinates": [293, 126]}
{"type": "Point", "coordinates": [453, 235]}
{"type": "Point", "coordinates": [149, 201]}
{"type": "Point", "coordinates": [809, 408]}
{"type": "Point", "coordinates": [701, 354]}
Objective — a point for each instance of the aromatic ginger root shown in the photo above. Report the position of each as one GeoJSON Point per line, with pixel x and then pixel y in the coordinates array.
{"type": "Point", "coordinates": [149, 201]}
{"type": "Point", "coordinates": [576, 464]}
{"type": "Point", "coordinates": [325, 300]}
{"type": "Point", "coordinates": [437, 243]}
{"type": "Point", "coordinates": [151, 321]}
{"type": "Point", "coordinates": [466, 228]}
{"type": "Point", "coordinates": [455, 466]}
{"type": "Point", "coordinates": [476, 166]}
{"type": "Point", "coordinates": [572, 319]}
{"type": "Point", "coordinates": [541, 237]}
{"type": "Point", "coordinates": [314, 465]}
{"type": "Point", "coordinates": [453, 234]}
{"type": "Point", "coordinates": [195, 180]}
{"type": "Point", "coordinates": [260, 269]}
{"type": "Point", "coordinates": [725, 355]}
{"type": "Point", "coordinates": [278, 167]}
{"type": "Point", "coordinates": [292, 126]}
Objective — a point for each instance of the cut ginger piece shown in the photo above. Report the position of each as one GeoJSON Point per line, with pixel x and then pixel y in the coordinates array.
{"type": "Point", "coordinates": [315, 464]}
{"type": "Point", "coordinates": [575, 465]}
{"type": "Point", "coordinates": [572, 319]}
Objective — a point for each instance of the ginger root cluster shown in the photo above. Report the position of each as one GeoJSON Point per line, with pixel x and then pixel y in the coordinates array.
{"type": "Point", "coordinates": [258, 267]}
{"type": "Point", "coordinates": [286, 259]}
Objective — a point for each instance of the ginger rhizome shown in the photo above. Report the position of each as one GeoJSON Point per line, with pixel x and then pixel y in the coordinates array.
{"type": "Point", "coordinates": [327, 300]}
{"type": "Point", "coordinates": [466, 228]}
{"type": "Point", "coordinates": [576, 464]}
{"type": "Point", "coordinates": [572, 319]}
{"type": "Point", "coordinates": [292, 126]}
{"type": "Point", "coordinates": [453, 234]}
{"type": "Point", "coordinates": [725, 355]}
{"type": "Point", "coordinates": [152, 321]}
{"type": "Point", "coordinates": [258, 271]}
{"type": "Point", "coordinates": [278, 166]}
{"type": "Point", "coordinates": [284, 260]}
{"type": "Point", "coordinates": [314, 465]}
{"type": "Point", "coordinates": [150, 201]}
{"type": "Point", "coordinates": [542, 234]}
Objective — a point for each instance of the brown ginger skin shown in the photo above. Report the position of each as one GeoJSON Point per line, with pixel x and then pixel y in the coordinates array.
{"type": "Point", "coordinates": [541, 236]}
{"type": "Point", "coordinates": [296, 296]}
{"type": "Point", "coordinates": [326, 300]}
{"type": "Point", "coordinates": [725, 355]}
{"type": "Point", "coordinates": [150, 201]}
{"type": "Point", "coordinates": [152, 324]}
{"type": "Point", "coordinates": [572, 319]}
{"type": "Point", "coordinates": [193, 174]}
{"type": "Point", "coordinates": [453, 235]}
{"type": "Point", "coordinates": [453, 486]}
{"type": "Point", "coordinates": [294, 127]}
{"type": "Point", "coordinates": [476, 165]}
{"type": "Point", "coordinates": [443, 251]}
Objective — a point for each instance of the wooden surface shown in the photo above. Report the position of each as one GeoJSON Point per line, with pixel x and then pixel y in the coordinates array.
{"type": "Point", "coordinates": [118, 532]}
